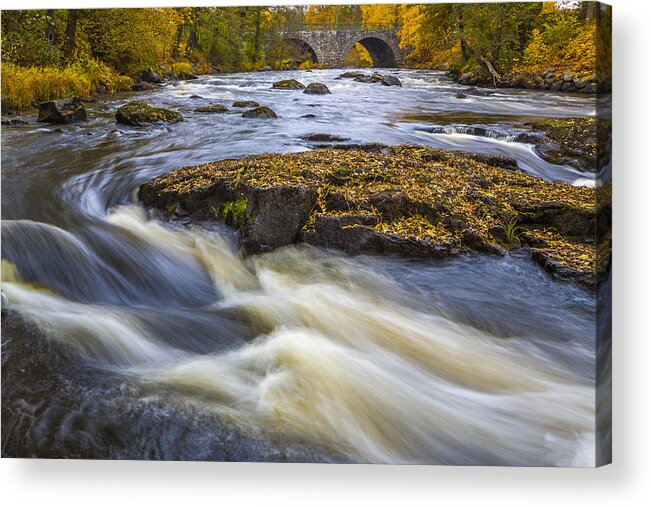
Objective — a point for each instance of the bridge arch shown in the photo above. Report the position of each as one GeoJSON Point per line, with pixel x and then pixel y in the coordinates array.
{"type": "Point", "coordinates": [304, 46]}
{"type": "Point", "coordinates": [383, 49]}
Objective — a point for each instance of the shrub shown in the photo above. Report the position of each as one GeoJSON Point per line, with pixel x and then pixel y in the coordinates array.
{"type": "Point", "coordinates": [204, 68]}
{"type": "Point", "coordinates": [24, 87]}
{"type": "Point", "coordinates": [286, 63]}
{"type": "Point", "coordinates": [182, 68]}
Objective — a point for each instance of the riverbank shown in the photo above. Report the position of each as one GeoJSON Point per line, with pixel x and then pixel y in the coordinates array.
{"type": "Point", "coordinates": [408, 200]}
{"type": "Point", "coordinates": [549, 79]}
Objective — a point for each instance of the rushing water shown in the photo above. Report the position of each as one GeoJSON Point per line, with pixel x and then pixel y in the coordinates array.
{"type": "Point", "coordinates": [130, 338]}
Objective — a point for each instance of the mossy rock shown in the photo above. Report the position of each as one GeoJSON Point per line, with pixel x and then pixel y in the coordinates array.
{"type": "Point", "coordinates": [402, 200]}
{"type": "Point", "coordinates": [351, 75]}
{"type": "Point", "coordinates": [317, 89]}
{"type": "Point", "coordinates": [140, 113]}
{"type": "Point", "coordinates": [62, 111]}
{"type": "Point", "coordinates": [245, 103]}
{"type": "Point", "coordinates": [211, 109]}
{"type": "Point", "coordinates": [288, 84]}
{"type": "Point", "coordinates": [260, 112]}
{"type": "Point", "coordinates": [568, 141]}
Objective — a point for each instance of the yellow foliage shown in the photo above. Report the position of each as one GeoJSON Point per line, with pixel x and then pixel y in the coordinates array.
{"type": "Point", "coordinates": [381, 16]}
{"type": "Point", "coordinates": [24, 87]}
{"type": "Point", "coordinates": [141, 37]}
{"type": "Point", "coordinates": [204, 68]}
{"type": "Point", "coordinates": [309, 64]}
{"type": "Point", "coordinates": [581, 51]}
{"type": "Point", "coordinates": [536, 51]}
{"type": "Point", "coordinates": [323, 14]}
{"type": "Point", "coordinates": [548, 7]}
{"type": "Point", "coordinates": [358, 57]}
{"type": "Point", "coordinates": [182, 68]}
{"type": "Point", "coordinates": [412, 20]}
{"type": "Point", "coordinates": [578, 56]}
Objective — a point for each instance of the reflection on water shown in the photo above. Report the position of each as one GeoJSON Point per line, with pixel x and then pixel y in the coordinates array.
{"type": "Point", "coordinates": [144, 340]}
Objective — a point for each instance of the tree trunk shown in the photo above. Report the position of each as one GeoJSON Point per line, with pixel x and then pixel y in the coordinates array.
{"type": "Point", "coordinates": [177, 41]}
{"type": "Point", "coordinates": [243, 11]}
{"type": "Point", "coordinates": [462, 38]}
{"type": "Point", "coordinates": [256, 42]}
{"type": "Point", "coordinates": [590, 12]}
{"type": "Point", "coordinates": [50, 27]}
{"type": "Point", "coordinates": [489, 66]}
{"type": "Point", "coordinates": [193, 39]}
{"type": "Point", "coordinates": [71, 33]}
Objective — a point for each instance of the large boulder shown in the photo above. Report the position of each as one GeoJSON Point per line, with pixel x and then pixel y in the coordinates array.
{"type": "Point", "coordinates": [245, 103]}
{"type": "Point", "coordinates": [260, 112]}
{"type": "Point", "coordinates": [391, 81]}
{"type": "Point", "coordinates": [275, 217]}
{"type": "Point", "coordinates": [142, 86]}
{"type": "Point", "coordinates": [351, 75]}
{"type": "Point", "coordinates": [288, 84]}
{"type": "Point", "coordinates": [388, 203]}
{"type": "Point", "coordinates": [149, 76]}
{"type": "Point", "coordinates": [217, 108]}
{"type": "Point", "coordinates": [373, 78]}
{"type": "Point", "coordinates": [316, 89]}
{"type": "Point", "coordinates": [140, 113]}
{"type": "Point", "coordinates": [62, 111]}
{"type": "Point", "coordinates": [187, 77]}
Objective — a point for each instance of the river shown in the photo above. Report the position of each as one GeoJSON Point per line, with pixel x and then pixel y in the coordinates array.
{"type": "Point", "coordinates": [132, 338]}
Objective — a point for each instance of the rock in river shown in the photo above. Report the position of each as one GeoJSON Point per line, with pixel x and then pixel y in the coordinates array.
{"type": "Point", "coordinates": [245, 103]}
{"type": "Point", "coordinates": [62, 111]}
{"type": "Point", "coordinates": [391, 81]}
{"type": "Point", "coordinates": [351, 75]}
{"type": "Point", "coordinates": [13, 123]}
{"type": "Point", "coordinates": [321, 138]}
{"type": "Point", "coordinates": [149, 76]}
{"type": "Point", "coordinates": [218, 108]}
{"type": "Point", "coordinates": [316, 89]}
{"type": "Point", "coordinates": [394, 202]}
{"type": "Point", "coordinates": [568, 141]}
{"type": "Point", "coordinates": [143, 86]}
{"type": "Point", "coordinates": [140, 113]}
{"type": "Point", "coordinates": [288, 84]}
{"type": "Point", "coordinates": [260, 112]}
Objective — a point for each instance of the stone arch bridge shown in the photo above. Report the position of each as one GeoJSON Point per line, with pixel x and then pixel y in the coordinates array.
{"type": "Point", "coordinates": [329, 45]}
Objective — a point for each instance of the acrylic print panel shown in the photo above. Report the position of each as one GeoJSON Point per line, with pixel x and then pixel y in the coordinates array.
{"type": "Point", "coordinates": [342, 234]}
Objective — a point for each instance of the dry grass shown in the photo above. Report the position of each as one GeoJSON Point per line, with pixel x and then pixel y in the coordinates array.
{"type": "Point", "coordinates": [24, 87]}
